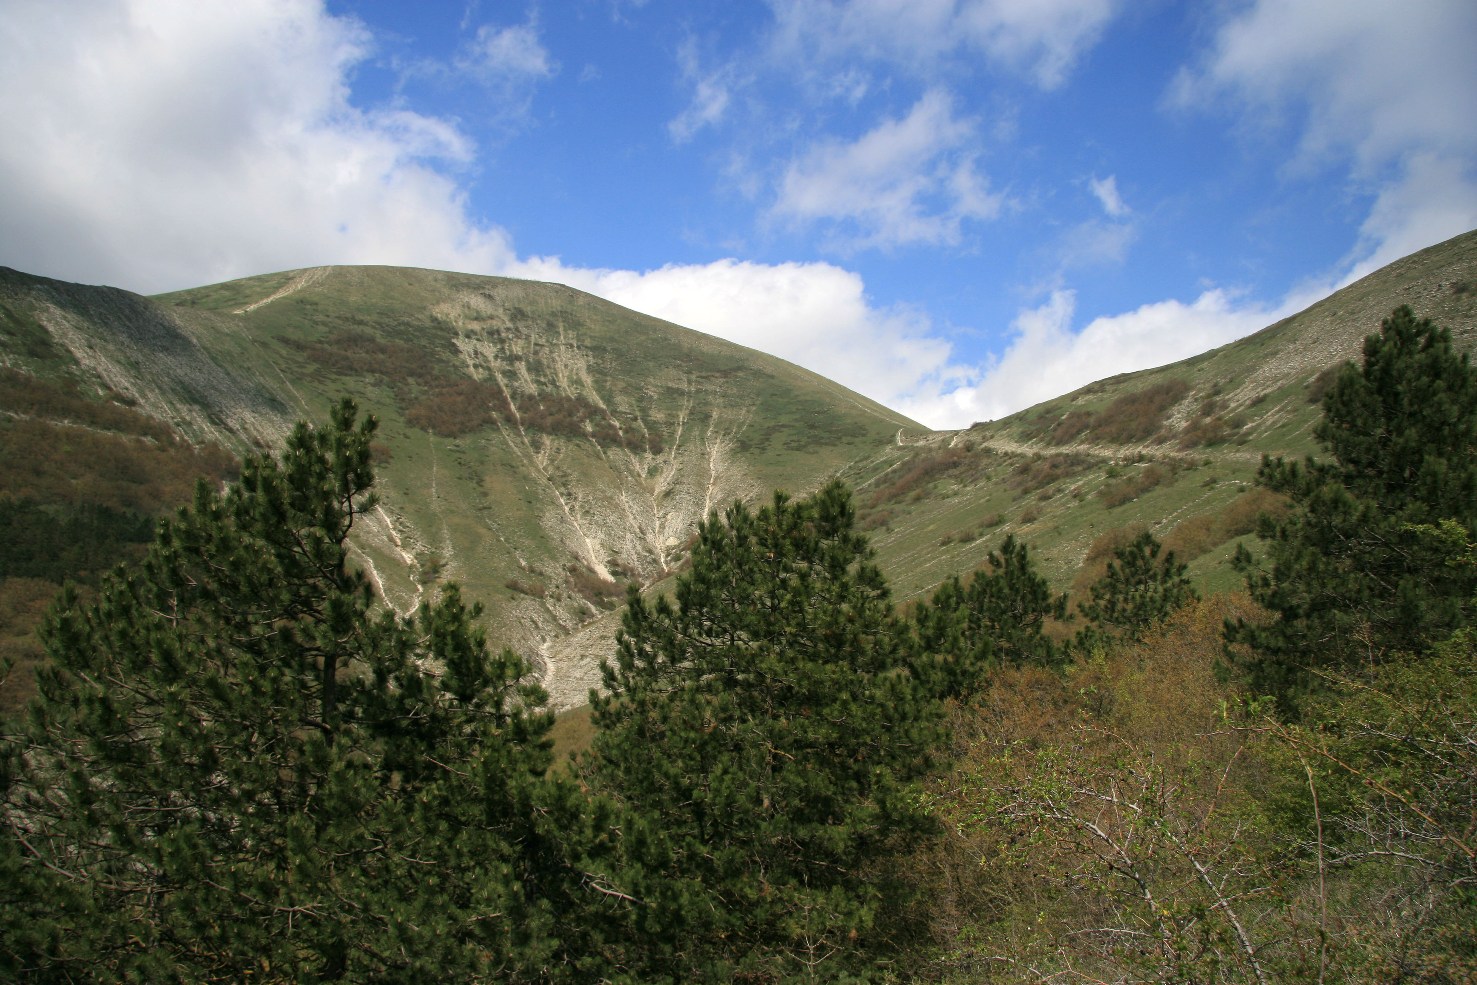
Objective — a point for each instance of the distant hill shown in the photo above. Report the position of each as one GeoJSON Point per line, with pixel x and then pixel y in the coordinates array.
{"type": "Point", "coordinates": [546, 448]}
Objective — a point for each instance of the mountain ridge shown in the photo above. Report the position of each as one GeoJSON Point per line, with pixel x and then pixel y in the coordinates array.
{"type": "Point", "coordinates": [547, 449]}
{"type": "Point", "coordinates": [540, 446]}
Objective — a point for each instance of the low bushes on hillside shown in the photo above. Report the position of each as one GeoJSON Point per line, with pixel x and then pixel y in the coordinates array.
{"type": "Point", "coordinates": [436, 398]}
{"type": "Point", "coordinates": [600, 592]}
{"type": "Point", "coordinates": [1138, 416]}
{"type": "Point", "coordinates": [1196, 535]}
{"type": "Point", "coordinates": [1040, 471]}
{"type": "Point", "coordinates": [62, 400]}
{"type": "Point", "coordinates": [454, 407]}
{"type": "Point", "coordinates": [917, 473]}
{"type": "Point", "coordinates": [1142, 479]}
{"type": "Point", "coordinates": [1100, 552]}
{"type": "Point", "coordinates": [1129, 419]}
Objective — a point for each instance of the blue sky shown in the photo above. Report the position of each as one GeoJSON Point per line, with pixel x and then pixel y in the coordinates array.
{"type": "Point", "coordinates": [957, 207]}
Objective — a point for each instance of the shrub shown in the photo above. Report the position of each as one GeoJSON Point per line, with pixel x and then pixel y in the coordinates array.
{"type": "Point", "coordinates": [1100, 552]}
{"type": "Point", "coordinates": [1138, 416]}
{"type": "Point", "coordinates": [533, 589]}
{"type": "Point", "coordinates": [454, 407]}
{"type": "Point", "coordinates": [1195, 535]}
{"type": "Point", "coordinates": [1134, 485]}
{"type": "Point", "coordinates": [76, 466]}
{"type": "Point", "coordinates": [1211, 430]}
{"type": "Point", "coordinates": [1067, 789]}
{"type": "Point", "coordinates": [919, 472]}
{"type": "Point", "coordinates": [1131, 417]}
{"type": "Point", "coordinates": [1071, 426]}
{"type": "Point", "coordinates": [23, 605]}
{"type": "Point", "coordinates": [62, 400]}
{"type": "Point", "coordinates": [600, 592]}
{"type": "Point", "coordinates": [1319, 385]}
{"type": "Point", "coordinates": [1040, 471]}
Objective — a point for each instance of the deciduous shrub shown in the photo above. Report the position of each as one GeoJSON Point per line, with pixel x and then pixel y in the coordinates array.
{"type": "Point", "coordinates": [1040, 471]}
{"type": "Point", "coordinates": [916, 473]}
{"type": "Point", "coordinates": [1140, 479]}
{"type": "Point", "coordinates": [1198, 534]}
{"type": "Point", "coordinates": [600, 592]}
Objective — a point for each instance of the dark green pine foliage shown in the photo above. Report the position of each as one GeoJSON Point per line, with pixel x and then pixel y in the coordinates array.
{"type": "Point", "coordinates": [999, 619]}
{"type": "Point", "coordinates": [239, 766]}
{"type": "Point", "coordinates": [1358, 572]}
{"type": "Point", "coordinates": [762, 735]}
{"type": "Point", "coordinates": [57, 542]}
{"type": "Point", "coordinates": [1142, 588]}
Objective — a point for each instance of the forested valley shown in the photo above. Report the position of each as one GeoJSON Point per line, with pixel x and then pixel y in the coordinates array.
{"type": "Point", "coordinates": [241, 765]}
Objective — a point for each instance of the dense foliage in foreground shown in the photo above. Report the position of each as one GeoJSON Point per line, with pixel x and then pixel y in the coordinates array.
{"type": "Point", "coordinates": [241, 766]}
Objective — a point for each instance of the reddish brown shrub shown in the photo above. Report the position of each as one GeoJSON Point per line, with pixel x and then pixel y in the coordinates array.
{"type": "Point", "coordinates": [599, 592]}
{"type": "Point", "coordinates": [1043, 470]}
{"type": "Point", "coordinates": [917, 473]}
{"type": "Point", "coordinates": [454, 407]}
{"type": "Point", "coordinates": [1141, 480]}
{"type": "Point", "coordinates": [1099, 553]}
{"type": "Point", "coordinates": [1138, 416]}
{"type": "Point", "coordinates": [533, 589]}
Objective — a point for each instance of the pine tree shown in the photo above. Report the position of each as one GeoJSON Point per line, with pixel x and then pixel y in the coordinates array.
{"type": "Point", "coordinates": [1140, 590]}
{"type": "Point", "coordinates": [999, 619]}
{"type": "Point", "coordinates": [1356, 574]}
{"type": "Point", "coordinates": [239, 766]}
{"type": "Point", "coordinates": [761, 735]}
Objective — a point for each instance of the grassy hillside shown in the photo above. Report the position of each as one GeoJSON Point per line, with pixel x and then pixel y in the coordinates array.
{"type": "Point", "coordinates": [540, 446]}
{"type": "Point", "coordinates": [86, 468]}
{"type": "Point", "coordinates": [546, 449]}
{"type": "Point", "coordinates": [1173, 449]}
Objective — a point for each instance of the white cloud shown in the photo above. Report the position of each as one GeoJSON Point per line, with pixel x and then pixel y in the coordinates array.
{"type": "Point", "coordinates": [909, 180]}
{"type": "Point", "coordinates": [511, 53]}
{"type": "Point", "coordinates": [1105, 190]}
{"type": "Point", "coordinates": [168, 144]}
{"type": "Point", "coordinates": [817, 315]}
{"type": "Point", "coordinates": [1047, 357]}
{"type": "Point", "coordinates": [1387, 91]}
{"type": "Point", "coordinates": [1095, 243]}
{"type": "Point", "coordinates": [1434, 198]}
{"type": "Point", "coordinates": [506, 63]}
{"type": "Point", "coordinates": [711, 94]}
{"type": "Point", "coordinates": [1041, 39]}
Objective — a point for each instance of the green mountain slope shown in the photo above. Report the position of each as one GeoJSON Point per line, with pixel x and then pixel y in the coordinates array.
{"type": "Point", "coordinates": [546, 449]}
{"type": "Point", "coordinates": [1173, 449]}
{"type": "Point", "coordinates": [538, 445]}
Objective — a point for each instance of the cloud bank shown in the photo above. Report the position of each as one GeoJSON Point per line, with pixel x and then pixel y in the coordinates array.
{"type": "Point", "coordinates": [1385, 93]}
{"type": "Point", "coordinates": [171, 144]}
